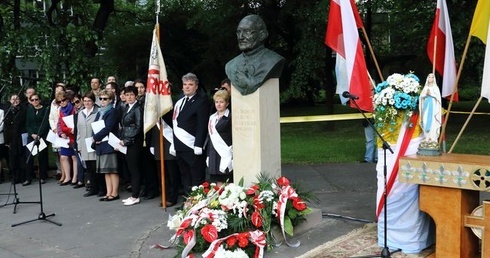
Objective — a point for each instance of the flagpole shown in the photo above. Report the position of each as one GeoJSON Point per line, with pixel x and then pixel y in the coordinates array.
{"type": "Point", "coordinates": [160, 130]}
{"type": "Point", "coordinates": [434, 56]}
{"type": "Point", "coordinates": [372, 53]}
{"type": "Point", "coordinates": [458, 75]}
{"type": "Point", "coordinates": [465, 124]}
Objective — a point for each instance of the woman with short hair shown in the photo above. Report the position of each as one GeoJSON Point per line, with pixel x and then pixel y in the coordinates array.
{"type": "Point", "coordinates": [106, 156]}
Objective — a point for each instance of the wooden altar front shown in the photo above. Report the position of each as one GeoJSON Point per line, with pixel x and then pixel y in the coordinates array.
{"type": "Point", "coordinates": [449, 192]}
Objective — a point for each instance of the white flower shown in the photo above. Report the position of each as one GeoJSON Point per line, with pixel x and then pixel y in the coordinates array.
{"type": "Point", "coordinates": [194, 188]}
{"type": "Point", "coordinates": [174, 222]}
{"type": "Point", "coordinates": [223, 253]}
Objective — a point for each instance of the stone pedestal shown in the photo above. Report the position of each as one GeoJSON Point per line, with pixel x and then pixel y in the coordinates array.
{"type": "Point", "coordinates": [256, 133]}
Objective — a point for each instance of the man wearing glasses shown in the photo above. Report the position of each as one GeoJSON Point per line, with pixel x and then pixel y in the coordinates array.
{"type": "Point", "coordinates": [249, 70]}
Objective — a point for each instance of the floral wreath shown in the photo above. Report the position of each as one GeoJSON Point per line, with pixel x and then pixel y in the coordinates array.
{"type": "Point", "coordinates": [234, 221]}
{"type": "Point", "coordinates": [396, 97]}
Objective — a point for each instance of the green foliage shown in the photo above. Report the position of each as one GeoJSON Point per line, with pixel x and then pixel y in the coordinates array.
{"type": "Point", "coordinates": [199, 37]}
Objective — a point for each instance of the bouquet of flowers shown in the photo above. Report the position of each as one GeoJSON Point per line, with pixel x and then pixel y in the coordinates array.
{"type": "Point", "coordinates": [395, 97]}
{"type": "Point", "coordinates": [233, 221]}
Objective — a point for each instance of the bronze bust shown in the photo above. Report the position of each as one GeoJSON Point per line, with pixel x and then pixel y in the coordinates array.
{"type": "Point", "coordinates": [256, 64]}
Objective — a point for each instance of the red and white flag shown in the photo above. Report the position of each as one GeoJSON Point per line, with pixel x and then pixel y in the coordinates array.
{"type": "Point", "coordinates": [342, 36]}
{"type": "Point", "coordinates": [441, 48]}
{"type": "Point", "coordinates": [158, 100]}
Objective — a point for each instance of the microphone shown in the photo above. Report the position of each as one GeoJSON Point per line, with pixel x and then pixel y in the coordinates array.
{"type": "Point", "coordinates": [347, 95]}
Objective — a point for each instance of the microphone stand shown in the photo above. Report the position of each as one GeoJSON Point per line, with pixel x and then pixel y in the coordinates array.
{"type": "Point", "coordinates": [385, 252]}
{"type": "Point", "coordinates": [42, 215]}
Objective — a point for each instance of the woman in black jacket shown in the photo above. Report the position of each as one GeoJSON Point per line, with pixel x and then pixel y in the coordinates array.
{"type": "Point", "coordinates": [132, 137]}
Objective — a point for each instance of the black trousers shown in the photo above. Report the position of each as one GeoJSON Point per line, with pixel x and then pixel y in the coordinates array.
{"type": "Point", "coordinates": [192, 169]}
{"type": "Point", "coordinates": [43, 162]}
{"type": "Point", "coordinates": [133, 161]}
{"type": "Point", "coordinates": [17, 161]}
{"type": "Point", "coordinates": [150, 173]}
{"type": "Point", "coordinates": [97, 180]}
{"type": "Point", "coordinates": [173, 182]}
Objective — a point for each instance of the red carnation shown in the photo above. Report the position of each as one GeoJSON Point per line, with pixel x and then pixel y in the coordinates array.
{"type": "Point", "coordinates": [298, 203]}
{"type": "Point", "coordinates": [282, 181]}
{"type": "Point", "coordinates": [231, 241]}
{"type": "Point", "coordinates": [205, 184]}
{"type": "Point", "coordinates": [256, 219]}
{"type": "Point", "coordinates": [206, 190]}
{"type": "Point", "coordinates": [209, 233]}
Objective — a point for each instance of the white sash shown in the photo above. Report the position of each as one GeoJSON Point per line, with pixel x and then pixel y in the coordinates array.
{"type": "Point", "coordinates": [224, 151]}
{"type": "Point", "coordinates": [181, 134]}
{"type": "Point", "coordinates": [169, 135]}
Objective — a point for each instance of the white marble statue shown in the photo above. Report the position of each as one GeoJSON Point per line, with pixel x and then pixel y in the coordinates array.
{"type": "Point", "coordinates": [430, 110]}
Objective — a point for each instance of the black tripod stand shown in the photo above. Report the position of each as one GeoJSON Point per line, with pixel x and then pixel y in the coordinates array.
{"type": "Point", "coordinates": [42, 215]}
{"type": "Point", "coordinates": [385, 252]}
{"type": "Point", "coordinates": [15, 200]}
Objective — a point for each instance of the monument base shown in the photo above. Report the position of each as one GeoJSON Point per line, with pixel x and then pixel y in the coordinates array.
{"type": "Point", "coordinates": [256, 133]}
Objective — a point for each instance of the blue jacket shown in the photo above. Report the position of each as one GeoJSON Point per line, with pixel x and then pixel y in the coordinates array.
{"type": "Point", "coordinates": [111, 125]}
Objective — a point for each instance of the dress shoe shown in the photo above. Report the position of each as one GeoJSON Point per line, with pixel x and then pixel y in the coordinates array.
{"type": "Point", "coordinates": [112, 198]}
{"type": "Point", "coordinates": [65, 183]}
{"type": "Point", "coordinates": [27, 182]}
{"type": "Point", "coordinates": [78, 186]}
{"type": "Point", "coordinates": [169, 204]}
{"type": "Point", "coordinates": [87, 194]}
{"type": "Point", "coordinates": [43, 181]}
{"type": "Point", "coordinates": [100, 194]}
{"type": "Point", "coordinates": [103, 199]}
{"type": "Point", "coordinates": [150, 196]}
{"type": "Point", "coordinates": [131, 201]}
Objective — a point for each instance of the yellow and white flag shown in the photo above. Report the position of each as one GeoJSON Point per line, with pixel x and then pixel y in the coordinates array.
{"type": "Point", "coordinates": [485, 84]}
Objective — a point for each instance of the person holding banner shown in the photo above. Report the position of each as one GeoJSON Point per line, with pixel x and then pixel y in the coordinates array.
{"type": "Point", "coordinates": [37, 127]}
{"type": "Point", "coordinates": [220, 152]}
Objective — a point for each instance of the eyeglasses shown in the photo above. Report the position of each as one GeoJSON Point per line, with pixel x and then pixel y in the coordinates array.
{"type": "Point", "coordinates": [59, 101]}
{"type": "Point", "coordinates": [34, 99]}
{"type": "Point", "coordinates": [104, 99]}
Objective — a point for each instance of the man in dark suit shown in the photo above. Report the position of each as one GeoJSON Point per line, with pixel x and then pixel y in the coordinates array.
{"type": "Point", "coordinates": [190, 119]}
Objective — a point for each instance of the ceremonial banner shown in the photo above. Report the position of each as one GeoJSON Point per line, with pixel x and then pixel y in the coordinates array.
{"type": "Point", "coordinates": [441, 48]}
{"type": "Point", "coordinates": [158, 100]}
{"type": "Point", "coordinates": [342, 36]}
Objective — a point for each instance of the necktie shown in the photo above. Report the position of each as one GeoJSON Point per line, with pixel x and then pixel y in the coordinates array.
{"type": "Point", "coordinates": [126, 109]}
{"type": "Point", "coordinates": [183, 103]}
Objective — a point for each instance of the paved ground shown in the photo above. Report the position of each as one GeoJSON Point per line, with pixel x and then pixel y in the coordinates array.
{"type": "Point", "coordinates": [108, 229]}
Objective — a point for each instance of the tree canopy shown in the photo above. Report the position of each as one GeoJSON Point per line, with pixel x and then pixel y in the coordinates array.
{"type": "Point", "coordinates": [72, 41]}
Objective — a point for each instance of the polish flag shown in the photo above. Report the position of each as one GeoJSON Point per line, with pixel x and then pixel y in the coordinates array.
{"type": "Point", "coordinates": [342, 36]}
{"type": "Point", "coordinates": [441, 48]}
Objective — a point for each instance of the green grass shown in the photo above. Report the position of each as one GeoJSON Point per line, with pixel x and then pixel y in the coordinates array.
{"type": "Point", "coordinates": [343, 141]}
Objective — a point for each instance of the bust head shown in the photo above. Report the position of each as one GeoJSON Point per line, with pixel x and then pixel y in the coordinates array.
{"type": "Point", "coordinates": [251, 33]}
